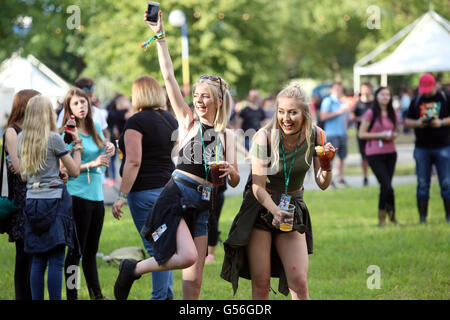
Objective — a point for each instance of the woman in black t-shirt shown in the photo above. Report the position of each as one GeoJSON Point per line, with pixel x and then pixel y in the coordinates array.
{"type": "Point", "coordinates": [147, 165]}
{"type": "Point", "coordinates": [201, 137]}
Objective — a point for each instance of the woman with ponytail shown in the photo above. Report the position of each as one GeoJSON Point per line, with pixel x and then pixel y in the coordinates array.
{"type": "Point", "coordinates": [178, 226]}
{"type": "Point", "coordinates": [281, 154]}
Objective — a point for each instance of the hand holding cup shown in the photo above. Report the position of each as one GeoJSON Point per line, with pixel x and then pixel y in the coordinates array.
{"type": "Point", "coordinates": [326, 155]}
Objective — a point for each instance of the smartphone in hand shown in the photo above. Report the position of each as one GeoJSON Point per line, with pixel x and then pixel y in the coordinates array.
{"type": "Point", "coordinates": [152, 12]}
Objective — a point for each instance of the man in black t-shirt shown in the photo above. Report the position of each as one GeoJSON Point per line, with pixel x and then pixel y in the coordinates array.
{"type": "Point", "coordinates": [252, 116]}
{"type": "Point", "coordinates": [429, 116]}
{"type": "Point", "coordinates": [362, 105]}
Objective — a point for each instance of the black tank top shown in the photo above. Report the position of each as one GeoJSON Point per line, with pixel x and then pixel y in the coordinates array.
{"type": "Point", "coordinates": [191, 157]}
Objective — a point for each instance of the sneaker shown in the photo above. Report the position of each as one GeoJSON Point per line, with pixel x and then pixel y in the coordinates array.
{"type": "Point", "coordinates": [125, 279]}
{"type": "Point", "coordinates": [365, 182]}
{"type": "Point", "coordinates": [342, 184]}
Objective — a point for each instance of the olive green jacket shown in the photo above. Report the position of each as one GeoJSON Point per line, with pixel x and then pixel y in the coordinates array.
{"type": "Point", "coordinates": [235, 262]}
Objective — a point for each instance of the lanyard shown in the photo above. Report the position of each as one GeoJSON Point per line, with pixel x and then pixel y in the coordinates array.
{"type": "Point", "coordinates": [288, 175]}
{"type": "Point", "coordinates": [204, 149]}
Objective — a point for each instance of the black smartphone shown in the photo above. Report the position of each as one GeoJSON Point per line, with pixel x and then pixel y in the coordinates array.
{"type": "Point", "coordinates": [427, 120]}
{"type": "Point", "coordinates": [152, 12]}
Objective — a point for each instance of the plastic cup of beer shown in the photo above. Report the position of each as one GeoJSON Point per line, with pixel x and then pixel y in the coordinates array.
{"type": "Point", "coordinates": [287, 222]}
{"type": "Point", "coordinates": [215, 167]}
{"type": "Point", "coordinates": [325, 158]}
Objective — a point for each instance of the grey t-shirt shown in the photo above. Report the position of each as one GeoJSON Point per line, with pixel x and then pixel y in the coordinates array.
{"type": "Point", "coordinates": [49, 175]}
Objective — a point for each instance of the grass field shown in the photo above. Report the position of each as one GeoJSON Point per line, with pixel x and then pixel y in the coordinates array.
{"type": "Point", "coordinates": [413, 259]}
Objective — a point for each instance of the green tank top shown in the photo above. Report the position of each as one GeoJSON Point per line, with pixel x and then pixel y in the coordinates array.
{"type": "Point", "coordinates": [276, 181]}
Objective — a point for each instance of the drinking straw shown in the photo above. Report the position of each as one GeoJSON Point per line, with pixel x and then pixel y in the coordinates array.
{"type": "Point", "coordinates": [321, 136]}
{"type": "Point", "coordinates": [217, 154]}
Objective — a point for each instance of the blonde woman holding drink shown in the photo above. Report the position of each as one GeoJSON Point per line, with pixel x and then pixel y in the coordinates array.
{"type": "Point", "coordinates": [178, 226]}
{"type": "Point", "coordinates": [282, 153]}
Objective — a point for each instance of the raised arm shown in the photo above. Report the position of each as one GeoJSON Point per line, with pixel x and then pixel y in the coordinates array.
{"type": "Point", "coordinates": [182, 111]}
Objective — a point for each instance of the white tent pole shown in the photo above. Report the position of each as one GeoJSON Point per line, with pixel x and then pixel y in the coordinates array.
{"type": "Point", "coordinates": [356, 80]}
{"type": "Point", "coordinates": [384, 80]}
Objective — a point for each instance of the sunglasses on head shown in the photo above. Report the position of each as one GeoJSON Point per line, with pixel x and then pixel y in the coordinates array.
{"type": "Point", "coordinates": [214, 78]}
{"type": "Point", "coordinates": [89, 89]}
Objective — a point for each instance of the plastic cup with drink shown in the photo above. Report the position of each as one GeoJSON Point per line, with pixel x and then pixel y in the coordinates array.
{"type": "Point", "coordinates": [214, 168]}
{"type": "Point", "coordinates": [287, 222]}
{"type": "Point", "coordinates": [325, 157]}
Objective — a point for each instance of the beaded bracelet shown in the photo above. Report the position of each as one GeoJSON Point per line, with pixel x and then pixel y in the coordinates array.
{"type": "Point", "coordinates": [159, 36]}
{"type": "Point", "coordinates": [123, 196]}
{"type": "Point", "coordinates": [77, 147]}
{"type": "Point", "coordinates": [74, 142]}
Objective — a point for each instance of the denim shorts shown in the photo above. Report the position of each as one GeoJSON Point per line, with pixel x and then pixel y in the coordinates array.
{"type": "Point", "coordinates": [201, 225]}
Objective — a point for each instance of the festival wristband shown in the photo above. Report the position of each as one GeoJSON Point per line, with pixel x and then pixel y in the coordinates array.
{"type": "Point", "coordinates": [159, 36]}
{"type": "Point", "coordinates": [123, 196]}
{"type": "Point", "coordinates": [88, 175]}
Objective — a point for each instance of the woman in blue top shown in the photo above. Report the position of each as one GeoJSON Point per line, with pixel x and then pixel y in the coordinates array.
{"type": "Point", "coordinates": [87, 193]}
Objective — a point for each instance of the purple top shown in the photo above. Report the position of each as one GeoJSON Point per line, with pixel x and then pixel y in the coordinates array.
{"type": "Point", "coordinates": [379, 146]}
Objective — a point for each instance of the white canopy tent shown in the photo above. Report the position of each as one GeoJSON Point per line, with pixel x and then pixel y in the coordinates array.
{"type": "Point", "coordinates": [18, 73]}
{"type": "Point", "coordinates": [426, 48]}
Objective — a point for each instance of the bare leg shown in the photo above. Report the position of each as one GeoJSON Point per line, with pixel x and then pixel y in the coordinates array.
{"type": "Point", "coordinates": [193, 276]}
{"type": "Point", "coordinates": [258, 252]}
{"type": "Point", "coordinates": [293, 253]}
{"type": "Point", "coordinates": [185, 256]}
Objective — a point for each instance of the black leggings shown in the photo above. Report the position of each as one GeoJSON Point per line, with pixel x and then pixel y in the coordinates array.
{"type": "Point", "coordinates": [383, 166]}
{"type": "Point", "coordinates": [22, 273]}
{"type": "Point", "coordinates": [88, 216]}
{"type": "Point", "coordinates": [213, 222]}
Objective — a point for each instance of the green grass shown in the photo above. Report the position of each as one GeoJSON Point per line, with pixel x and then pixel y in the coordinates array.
{"type": "Point", "coordinates": [413, 259]}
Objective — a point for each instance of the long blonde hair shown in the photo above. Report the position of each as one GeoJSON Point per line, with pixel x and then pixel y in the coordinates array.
{"type": "Point", "coordinates": [38, 123]}
{"type": "Point", "coordinates": [218, 92]}
{"type": "Point", "coordinates": [293, 90]}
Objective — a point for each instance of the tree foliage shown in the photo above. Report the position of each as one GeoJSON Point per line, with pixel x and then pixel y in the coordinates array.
{"type": "Point", "coordinates": [250, 43]}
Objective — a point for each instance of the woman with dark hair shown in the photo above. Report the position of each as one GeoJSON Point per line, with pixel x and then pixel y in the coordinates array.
{"type": "Point", "coordinates": [87, 192]}
{"type": "Point", "coordinates": [16, 192]}
{"type": "Point", "coordinates": [379, 128]}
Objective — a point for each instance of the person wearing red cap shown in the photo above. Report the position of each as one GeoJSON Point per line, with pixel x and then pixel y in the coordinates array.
{"type": "Point", "coordinates": [429, 116]}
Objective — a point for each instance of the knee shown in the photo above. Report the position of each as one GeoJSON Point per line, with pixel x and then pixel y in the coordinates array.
{"type": "Point", "coordinates": [260, 286]}
{"type": "Point", "coordinates": [188, 259]}
{"type": "Point", "coordinates": [299, 284]}
{"type": "Point", "coordinates": [423, 187]}
{"type": "Point", "coordinates": [301, 280]}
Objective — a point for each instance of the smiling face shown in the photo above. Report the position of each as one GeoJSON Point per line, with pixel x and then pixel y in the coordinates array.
{"type": "Point", "coordinates": [204, 103]}
{"type": "Point", "coordinates": [79, 107]}
{"type": "Point", "coordinates": [289, 115]}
